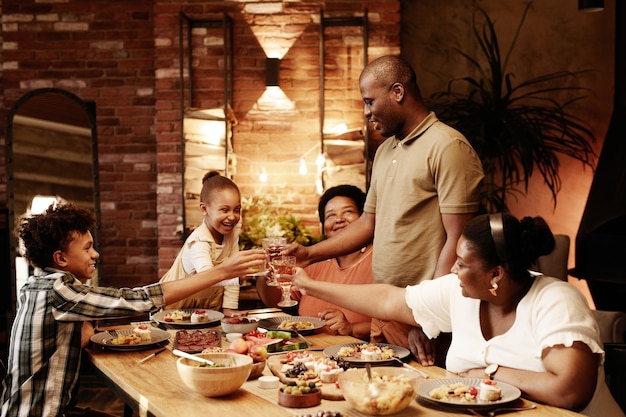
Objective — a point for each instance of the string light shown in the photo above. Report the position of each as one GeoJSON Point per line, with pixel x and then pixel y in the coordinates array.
{"type": "Point", "coordinates": [320, 161]}
{"type": "Point", "coordinates": [303, 169]}
{"type": "Point", "coordinates": [320, 164]}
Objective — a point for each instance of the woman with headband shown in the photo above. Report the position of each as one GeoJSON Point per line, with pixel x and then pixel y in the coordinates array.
{"type": "Point", "coordinates": [508, 323]}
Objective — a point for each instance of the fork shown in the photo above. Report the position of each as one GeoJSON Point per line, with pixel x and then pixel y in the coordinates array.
{"type": "Point", "coordinates": [302, 337]}
{"type": "Point", "coordinates": [493, 412]}
{"type": "Point", "coordinates": [407, 366]}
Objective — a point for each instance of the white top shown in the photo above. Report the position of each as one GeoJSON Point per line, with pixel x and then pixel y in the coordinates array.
{"type": "Point", "coordinates": [553, 312]}
{"type": "Point", "coordinates": [200, 252]}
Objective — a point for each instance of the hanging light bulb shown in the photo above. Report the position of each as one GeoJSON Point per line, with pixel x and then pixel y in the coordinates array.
{"type": "Point", "coordinates": [320, 161]}
{"type": "Point", "coordinates": [303, 169]}
{"type": "Point", "coordinates": [262, 175]}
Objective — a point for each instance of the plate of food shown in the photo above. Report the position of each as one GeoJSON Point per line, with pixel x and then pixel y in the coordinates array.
{"type": "Point", "coordinates": [359, 354]}
{"type": "Point", "coordinates": [312, 367]}
{"type": "Point", "coordinates": [302, 324]}
{"type": "Point", "coordinates": [467, 392]}
{"type": "Point", "coordinates": [275, 341]}
{"type": "Point", "coordinates": [196, 340]}
{"type": "Point", "coordinates": [187, 318]}
{"type": "Point", "coordinates": [139, 338]}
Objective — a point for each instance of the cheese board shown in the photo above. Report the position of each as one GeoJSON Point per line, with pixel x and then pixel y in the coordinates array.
{"type": "Point", "coordinates": [280, 364]}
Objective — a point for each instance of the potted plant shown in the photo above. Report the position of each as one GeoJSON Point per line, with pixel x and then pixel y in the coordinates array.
{"type": "Point", "coordinates": [262, 217]}
{"type": "Point", "coordinates": [516, 129]}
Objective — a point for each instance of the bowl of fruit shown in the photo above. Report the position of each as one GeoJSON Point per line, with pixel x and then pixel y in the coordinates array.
{"type": "Point", "coordinates": [241, 325]}
{"type": "Point", "coordinates": [258, 353]}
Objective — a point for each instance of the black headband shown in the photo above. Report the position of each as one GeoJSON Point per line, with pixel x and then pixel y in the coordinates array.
{"type": "Point", "coordinates": [497, 234]}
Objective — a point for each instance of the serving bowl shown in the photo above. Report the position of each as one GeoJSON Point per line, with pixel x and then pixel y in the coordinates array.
{"type": "Point", "coordinates": [228, 376]}
{"type": "Point", "coordinates": [241, 325]}
{"type": "Point", "coordinates": [257, 370]}
{"type": "Point", "coordinates": [391, 390]}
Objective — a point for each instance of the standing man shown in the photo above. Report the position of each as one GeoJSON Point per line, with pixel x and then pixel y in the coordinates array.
{"type": "Point", "coordinates": [425, 187]}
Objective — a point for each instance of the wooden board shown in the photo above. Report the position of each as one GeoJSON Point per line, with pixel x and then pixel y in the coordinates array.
{"type": "Point", "coordinates": [330, 391]}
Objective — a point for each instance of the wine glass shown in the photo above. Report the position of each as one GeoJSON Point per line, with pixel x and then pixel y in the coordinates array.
{"type": "Point", "coordinates": [273, 247]}
{"type": "Point", "coordinates": [284, 268]}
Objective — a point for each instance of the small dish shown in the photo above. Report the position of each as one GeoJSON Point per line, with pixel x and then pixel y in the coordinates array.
{"type": "Point", "coordinates": [233, 336]}
{"type": "Point", "coordinates": [268, 382]}
{"type": "Point", "coordinates": [241, 325]}
{"type": "Point", "coordinates": [299, 400]}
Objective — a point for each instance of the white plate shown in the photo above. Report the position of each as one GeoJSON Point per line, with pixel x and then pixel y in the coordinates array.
{"type": "Point", "coordinates": [273, 323]}
{"type": "Point", "coordinates": [509, 393]}
{"type": "Point", "coordinates": [401, 353]}
{"type": "Point", "coordinates": [214, 316]}
{"type": "Point", "coordinates": [104, 339]}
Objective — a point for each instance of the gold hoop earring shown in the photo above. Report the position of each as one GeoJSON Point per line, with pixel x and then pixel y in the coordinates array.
{"type": "Point", "coordinates": [493, 289]}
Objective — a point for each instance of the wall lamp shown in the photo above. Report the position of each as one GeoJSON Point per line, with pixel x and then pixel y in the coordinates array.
{"type": "Point", "coordinates": [272, 72]}
{"type": "Point", "coordinates": [590, 6]}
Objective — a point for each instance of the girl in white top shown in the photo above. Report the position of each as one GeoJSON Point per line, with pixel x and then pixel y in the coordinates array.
{"type": "Point", "coordinates": [538, 330]}
{"type": "Point", "coordinates": [215, 240]}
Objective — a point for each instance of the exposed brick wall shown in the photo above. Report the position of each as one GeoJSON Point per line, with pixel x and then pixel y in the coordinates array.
{"type": "Point", "coordinates": [102, 51]}
{"type": "Point", "coordinates": [271, 134]}
{"type": "Point", "coordinates": [123, 56]}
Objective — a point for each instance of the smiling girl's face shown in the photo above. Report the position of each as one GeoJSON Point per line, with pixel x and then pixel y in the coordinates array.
{"type": "Point", "coordinates": [222, 212]}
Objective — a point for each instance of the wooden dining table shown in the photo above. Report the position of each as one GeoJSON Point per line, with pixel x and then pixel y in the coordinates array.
{"type": "Point", "coordinates": [154, 388]}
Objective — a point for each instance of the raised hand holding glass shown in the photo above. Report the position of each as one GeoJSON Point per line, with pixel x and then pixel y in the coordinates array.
{"type": "Point", "coordinates": [273, 247]}
{"type": "Point", "coordinates": [284, 268]}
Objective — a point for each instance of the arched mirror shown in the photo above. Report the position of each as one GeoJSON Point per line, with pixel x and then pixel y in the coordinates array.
{"type": "Point", "coordinates": [51, 155]}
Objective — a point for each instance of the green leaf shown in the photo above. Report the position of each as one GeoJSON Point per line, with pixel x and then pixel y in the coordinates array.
{"type": "Point", "coordinates": [516, 129]}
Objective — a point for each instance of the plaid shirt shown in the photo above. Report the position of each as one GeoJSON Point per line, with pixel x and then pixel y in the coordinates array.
{"type": "Point", "coordinates": [45, 346]}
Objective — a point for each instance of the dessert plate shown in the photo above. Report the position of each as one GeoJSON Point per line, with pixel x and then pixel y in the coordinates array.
{"type": "Point", "coordinates": [105, 339]}
{"type": "Point", "coordinates": [400, 353]}
{"type": "Point", "coordinates": [509, 393]}
{"type": "Point", "coordinates": [162, 318]}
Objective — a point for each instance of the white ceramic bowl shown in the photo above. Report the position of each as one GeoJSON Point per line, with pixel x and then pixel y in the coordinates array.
{"type": "Point", "coordinates": [215, 381]}
{"type": "Point", "coordinates": [243, 328]}
{"type": "Point", "coordinates": [396, 390]}
{"type": "Point", "coordinates": [230, 337]}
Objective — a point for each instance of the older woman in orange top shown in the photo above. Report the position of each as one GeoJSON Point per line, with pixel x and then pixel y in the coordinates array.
{"type": "Point", "coordinates": [338, 207]}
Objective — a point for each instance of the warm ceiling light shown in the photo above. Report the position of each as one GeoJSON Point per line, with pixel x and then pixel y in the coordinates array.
{"type": "Point", "coordinates": [589, 6]}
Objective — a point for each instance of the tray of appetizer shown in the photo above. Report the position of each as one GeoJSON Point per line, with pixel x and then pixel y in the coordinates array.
{"type": "Point", "coordinates": [196, 340]}
{"type": "Point", "coordinates": [310, 369]}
